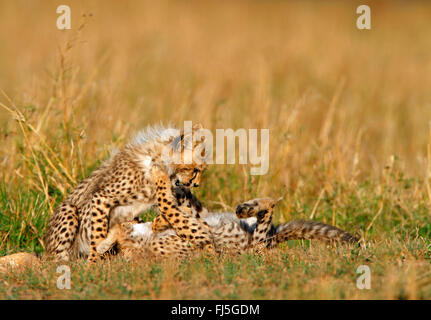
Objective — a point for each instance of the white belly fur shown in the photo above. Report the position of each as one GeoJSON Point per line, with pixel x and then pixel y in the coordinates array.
{"type": "Point", "coordinates": [127, 213]}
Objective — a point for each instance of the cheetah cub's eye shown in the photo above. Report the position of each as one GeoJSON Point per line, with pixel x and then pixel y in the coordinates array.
{"type": "Point", "coordinates": [196, 170]}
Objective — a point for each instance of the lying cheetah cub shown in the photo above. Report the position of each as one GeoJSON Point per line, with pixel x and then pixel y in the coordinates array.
{"type": "Point", "coordinates": [249, 227]}
{"type": "Point", "coordinates": [120, 189]}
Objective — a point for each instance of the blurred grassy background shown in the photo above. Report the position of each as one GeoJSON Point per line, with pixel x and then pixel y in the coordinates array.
{"type": "Point", "coordinates": [349, 111]}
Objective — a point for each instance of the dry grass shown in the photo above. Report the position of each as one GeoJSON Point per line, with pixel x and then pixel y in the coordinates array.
{"type": "Point", "coordinates": [348, 113]}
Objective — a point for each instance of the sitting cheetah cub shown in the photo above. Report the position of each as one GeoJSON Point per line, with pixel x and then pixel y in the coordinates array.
{"type": "Point", "coordinates": [249, 227]}
{"type": "Point", "coordinates": [120, 189]}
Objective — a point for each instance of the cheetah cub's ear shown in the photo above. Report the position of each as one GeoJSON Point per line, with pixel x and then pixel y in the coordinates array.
{"type": "Point", "coordinates": [276, 201]}
{"type": "Point", "coordinates": [185, 139]}
{"type": "Point", "coordinates": [196, 127]}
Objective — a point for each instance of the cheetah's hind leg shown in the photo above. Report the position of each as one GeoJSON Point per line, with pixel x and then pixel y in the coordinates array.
{"type": "Point", "coordinates": [109, 242]}
{"type": "Point", "coordinates": [62, 231]}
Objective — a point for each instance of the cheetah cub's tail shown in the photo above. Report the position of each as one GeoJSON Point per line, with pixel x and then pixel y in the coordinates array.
{"type": "Point", "coordinates": [300, 229]}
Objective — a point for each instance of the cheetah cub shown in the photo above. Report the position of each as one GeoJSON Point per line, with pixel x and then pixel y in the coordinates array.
{"type": "Point", "coordinates": [122, 188]}
{"type": "Point", "coordinates": [250, 227]}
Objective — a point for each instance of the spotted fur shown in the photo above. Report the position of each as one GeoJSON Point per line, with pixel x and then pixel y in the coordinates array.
{"type": "Point", "coordinates": [119, 190]}
{"type": "Point", "coordinates": [249, 228]}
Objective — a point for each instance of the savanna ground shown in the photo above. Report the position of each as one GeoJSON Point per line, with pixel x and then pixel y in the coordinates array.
{"type": "Point", "coordinates": [348, 112]}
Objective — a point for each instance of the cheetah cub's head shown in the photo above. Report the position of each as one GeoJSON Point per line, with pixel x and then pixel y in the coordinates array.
{"type": "Point", "coordinates": [188, 175]}
{"type": "Point", "coordinates": [256, 207]}
{"type": "Point", "coordinates": [192, 155]}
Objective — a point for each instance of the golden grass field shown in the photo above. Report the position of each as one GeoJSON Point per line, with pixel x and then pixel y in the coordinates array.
{"type": "Point", "coordinates": [349, 115]}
